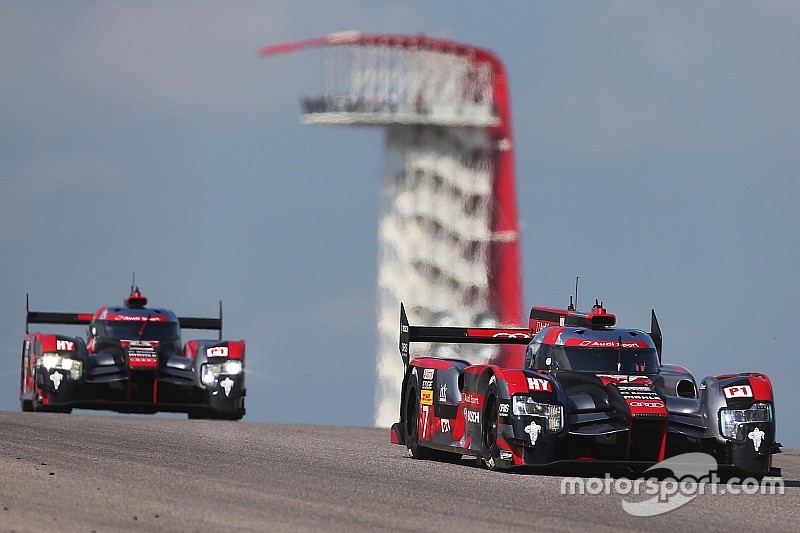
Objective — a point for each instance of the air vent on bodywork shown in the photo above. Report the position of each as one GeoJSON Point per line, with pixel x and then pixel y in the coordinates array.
{"type": "Point", "coordinates": [686, 389]}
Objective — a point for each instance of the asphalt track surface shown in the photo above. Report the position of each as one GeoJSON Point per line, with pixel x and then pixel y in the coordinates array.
{"type": "Point", "coordinates": [121, 472]}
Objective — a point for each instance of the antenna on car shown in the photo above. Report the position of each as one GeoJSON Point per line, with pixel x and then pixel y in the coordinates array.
{"type": "Point", "coordinates": [133, 281]}
{"type": "Point", "coordinates": [577, 278]}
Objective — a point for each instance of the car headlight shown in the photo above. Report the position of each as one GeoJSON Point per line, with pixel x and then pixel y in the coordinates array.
{"type": "Point", "coordinates": [527, 406]}
{"type": "Point", "coordinates": [210, 372]}
{"type": "Point", "coordinates": [731, 419]}
{"type": "Point", "coordinates": [53, 361]}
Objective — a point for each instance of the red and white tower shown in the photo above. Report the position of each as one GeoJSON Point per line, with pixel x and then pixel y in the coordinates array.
{"type": "Point", "coordinates": [448, 235]}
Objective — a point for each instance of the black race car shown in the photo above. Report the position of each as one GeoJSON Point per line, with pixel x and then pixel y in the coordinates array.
{"type": "Point", "coordinates": [585, 391]}
{"type": "Point", "coordinates": [133, 362]}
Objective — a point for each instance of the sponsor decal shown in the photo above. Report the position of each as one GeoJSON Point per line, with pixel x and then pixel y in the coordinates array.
{"type": "Point", "coordinates": [506, 455]}
{"type": "Point", "coordinates": [756, 436]}
{"type": "Point", "coordinates": [443, 393]}
{"type": "Point", "coordinates": [403, 328]}
{"type": "Point", "coordinates": [427, 384]}
{"type": "Point", "coordinates": [739, 391]}
{"type": "Point", "coordinates": [506, 335]}
{"type": "Point", "coordinates": [65, 346]}
{"type": "Point", "coordinates": [650, 405]}
{"type": "Point", "coordinates": [621, 378]}
{"type": "Point", "coordinates": [217, 351]}
{"type": "Point", "coordinates": [56, 378]}
{"type": "Point", "coordinates": [539, 384]}
{"type": "Point", "coordinates": [605, 344]}
{"type": "Point", "coordinates": [472, 399]}
{"type": "Point", "coordinates": [426, 397]}
{"type": "Point", "coordinates": [533, 429]}
{"type": "Point", "coordinates": [472, 416]}
{"type": "Point", "coordinates": [137, 318]}
{"type": "Point", "coordinates": [445, 424]}
{"type": "Point", "coordinates": [227, 384]}
{"type": "Point", "coordinates": [427, 373]}
{"type": "Point", "coordinates": [503, 409]}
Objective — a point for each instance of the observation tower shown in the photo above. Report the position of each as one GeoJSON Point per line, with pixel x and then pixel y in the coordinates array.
{"type": "Point", "coordinates": [448, 235]}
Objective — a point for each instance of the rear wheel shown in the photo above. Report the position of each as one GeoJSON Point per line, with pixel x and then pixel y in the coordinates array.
{"type": "Point", "coordinates": [412, 414]}
{"type": "Point", "coordinates": [489, 429]}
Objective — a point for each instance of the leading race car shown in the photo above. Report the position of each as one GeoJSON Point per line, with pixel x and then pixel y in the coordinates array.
{"type": "Point", "coordinates": [133, 362]}
{"type": "Point", "coordinates": [587, 391]}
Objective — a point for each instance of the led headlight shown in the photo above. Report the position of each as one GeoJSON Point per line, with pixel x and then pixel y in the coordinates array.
{"type": "Point", "coordinates": [731, 419]}
{"type": "Point", "coordinates": [209, 373]}
{"type": "Point", "coordinates": [51, 361]}
{"type": "Point", "coordinates": [232, 367]}
{"type": "Point", "coordinates": [525, 405]}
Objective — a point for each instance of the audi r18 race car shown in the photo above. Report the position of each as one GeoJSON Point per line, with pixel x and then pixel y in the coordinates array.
{"type": "Point", "coordinates": [132, 362]}
{"type": "Point", "coordinates": [586, 391]}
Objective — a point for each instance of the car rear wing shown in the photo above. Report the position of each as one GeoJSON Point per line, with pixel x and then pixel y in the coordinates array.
{"type": "Point", "coordinates": [77, 319]}
{"type": "Point", "coordinates": [39, 317]}
{"type": "Point", "coordinates": [409, 334]}
{"type": "Point", "coordinates": [213, 324]}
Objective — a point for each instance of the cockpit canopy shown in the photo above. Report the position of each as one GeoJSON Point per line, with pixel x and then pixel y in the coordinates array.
{"type": "Point", "coordinates": [136, 324]}
{"type": "Point", "coordinates": [609, 351]}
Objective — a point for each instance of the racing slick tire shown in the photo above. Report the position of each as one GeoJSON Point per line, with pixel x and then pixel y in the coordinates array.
{"type": "Point", "coordinates": [415, 449]}
{"type": "Point", "coordinates": [39, 407]}
{"type": "Point", "coordinates": [489, 428]}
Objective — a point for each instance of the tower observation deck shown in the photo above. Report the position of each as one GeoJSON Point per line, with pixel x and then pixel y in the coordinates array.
{"type": "Point", "coordinates": [448, 235]}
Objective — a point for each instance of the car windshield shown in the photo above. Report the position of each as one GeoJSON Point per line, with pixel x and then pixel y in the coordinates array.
{"type": "Point", "coordinates": [149, 331]}
{"type": "Point", "coordinates": [627, 360]}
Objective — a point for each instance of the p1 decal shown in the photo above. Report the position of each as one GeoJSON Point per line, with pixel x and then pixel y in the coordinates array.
{"type": "Point", "coordinates": [539, 384]}
{"type": "Point", "coordinates": [426, 397]}
{"type": "Point", "coordinates": [738, 391]}
{"type": "Point", "coordinates": [217, 351]}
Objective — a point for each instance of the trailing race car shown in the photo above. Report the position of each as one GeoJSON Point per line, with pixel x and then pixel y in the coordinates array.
{"type": "Point", "coordinates": [132, 362]}
{"type": "Point", "coordinates": [586, 391]}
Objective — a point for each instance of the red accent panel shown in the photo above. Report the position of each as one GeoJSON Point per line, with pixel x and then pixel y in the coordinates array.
{"type": "Point", "coordinates": [431, 362]}
{"type": "Point", "coordinates": [190, 350]}
{"type": "Point", "coordinates": [552, 335]}
{"type": "Point", "coordinates": [236, 349]}
{"type": "Point", "coordinates": [762, 390]}
{"type": "Point", "coordinates": [517, 382]}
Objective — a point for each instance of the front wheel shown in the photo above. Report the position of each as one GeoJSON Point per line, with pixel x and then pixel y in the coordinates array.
{"type": "Point", "coordinates": [489, 428]}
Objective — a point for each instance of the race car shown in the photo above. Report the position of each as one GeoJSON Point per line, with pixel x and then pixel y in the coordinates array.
{"type": "Point", "coordinates": [132, 361]}
{"type": "Point", "coordinates": [586, 391]}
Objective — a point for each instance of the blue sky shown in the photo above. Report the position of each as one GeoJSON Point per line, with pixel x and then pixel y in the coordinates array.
{"type": "Point", "coordinates": [656, 151]}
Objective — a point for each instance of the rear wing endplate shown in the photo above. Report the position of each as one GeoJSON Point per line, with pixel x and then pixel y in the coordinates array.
{"type": "Point", "coordinates": [409, 334]}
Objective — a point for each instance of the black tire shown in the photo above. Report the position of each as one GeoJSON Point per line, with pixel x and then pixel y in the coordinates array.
{"type": "Point", "coordinates": [410, 426]}
{"type": "Point", "coordinates": [26, 405]}
{"type": "Point", "coordinates": [489, 428]}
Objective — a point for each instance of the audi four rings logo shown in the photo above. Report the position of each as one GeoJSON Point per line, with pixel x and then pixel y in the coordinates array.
{"type": "Point", "coordinates": [504, 335]}
{"type": "Point", "coordinates": [652, 405]}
